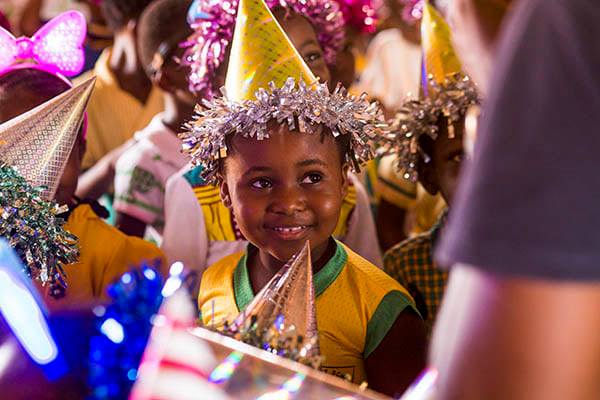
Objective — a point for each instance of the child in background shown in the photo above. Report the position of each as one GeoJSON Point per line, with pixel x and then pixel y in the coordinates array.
{"type": "Point", "coordinates": [124, 100]}
{"type": "Point", "coordinates": [360, 18]}
{"type": "Point", "coordinates": [284, 177]}
{"type": "Point", "coordinates": [142, 170]}
{"type": "Point", "coordinates": [199, 229]}
{"type": "Point", "coordinates": [105, 253]}
{"type": "Point", "coordinates": [432, 154]}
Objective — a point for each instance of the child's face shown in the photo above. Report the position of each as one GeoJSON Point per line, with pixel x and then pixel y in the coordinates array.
{"type": "Point", "coordinates": [441, 173]}
{"type": "Point", "coordinates": [285, 190]}
{"type": "Point", "coordinates": [344, 68]}
{"type": "Point", "coordinates": [304, 38]}
{"type": "Point", "coordinates": [172, 78]}
{"type": "Point", "coordinates": [24, 101]}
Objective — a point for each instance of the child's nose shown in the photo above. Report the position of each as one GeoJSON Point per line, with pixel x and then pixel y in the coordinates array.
{"type": "Point", "coordinates": [288, 201]}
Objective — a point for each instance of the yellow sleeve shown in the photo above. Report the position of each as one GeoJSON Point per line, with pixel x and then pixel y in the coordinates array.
{"type": "Point", "coordinates": [392, 187]}
{"type": "Point", "coordinates": [131, 252]}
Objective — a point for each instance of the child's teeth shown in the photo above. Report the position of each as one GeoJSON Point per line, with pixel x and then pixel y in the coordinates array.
{"type": "Point", "coordinates": [292, 229]}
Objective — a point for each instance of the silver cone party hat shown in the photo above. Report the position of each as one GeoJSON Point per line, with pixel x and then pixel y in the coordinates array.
{"type": "Point", "coordinates": [38, 143]}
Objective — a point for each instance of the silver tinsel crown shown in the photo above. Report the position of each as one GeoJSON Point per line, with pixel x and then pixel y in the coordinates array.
{"type": "Point", "coordinates": [301, 107]}
{"type": "Point", "coordinates": [416, 118]}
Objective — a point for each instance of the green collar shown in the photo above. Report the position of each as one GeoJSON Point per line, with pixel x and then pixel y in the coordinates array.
{"type": "Point", "coordinates": [242, 289]}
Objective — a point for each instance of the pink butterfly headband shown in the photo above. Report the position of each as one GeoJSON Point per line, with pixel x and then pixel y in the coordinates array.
{"type": "Point", "coordinates": [57, 47]}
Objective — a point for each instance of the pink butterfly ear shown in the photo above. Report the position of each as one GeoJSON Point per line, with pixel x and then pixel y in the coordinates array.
{"type": "Point", "coordinates": [56, 46]}
{"type": "Point", "coordinates": [59, 43]}
{"type": "Point", "coordinates": [8, 49]}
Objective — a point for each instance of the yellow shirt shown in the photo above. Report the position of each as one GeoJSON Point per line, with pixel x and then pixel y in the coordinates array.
{"type": "Point", "coordinates": [393, 188]}
{"type": "Point", "coordinates": [356, 305]}
{"type": "Point", "coordinates": [105, 254]}
{"type": "Point", "coordinates": [113, 114]}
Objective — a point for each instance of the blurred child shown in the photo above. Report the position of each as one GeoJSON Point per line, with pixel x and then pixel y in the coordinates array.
{"type": "Point", "coordinates": [360, 19]}
{"type": "Point", "coordinates": [105, 253]}
{"type": "Point", "coordinates": [284, 177]}
{"type": "Point", "coordinates": [199, 229]}
{"type": "Point", "coordinates": [142, 171]}
{"type": "Point", "coordinates": [428, 143]}
{"type": "Point", "coordinates": [124, 100]}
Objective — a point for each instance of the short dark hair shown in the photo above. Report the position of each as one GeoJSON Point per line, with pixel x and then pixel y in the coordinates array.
{"type": "Point", "coordinates": [32, 80]}
{"type": "Point", "coordinates": [117, 13]}
{"type": "Point", "coordinates": [163, 22]}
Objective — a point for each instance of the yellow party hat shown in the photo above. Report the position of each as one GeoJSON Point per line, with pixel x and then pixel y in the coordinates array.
{"type": "Point", "coordinates": [439, 56]}
{"type": "Point", "coordinates": [261, 53]}
{"type": "Point", "coordinates": [38, 143]}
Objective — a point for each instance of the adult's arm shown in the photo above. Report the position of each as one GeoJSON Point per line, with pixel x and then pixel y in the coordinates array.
{"type": "Point", "coordinates": [516, 338]}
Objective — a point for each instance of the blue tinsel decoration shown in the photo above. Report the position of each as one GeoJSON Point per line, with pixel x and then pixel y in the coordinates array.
{"type": "Point", "coordinates": [123, 330]}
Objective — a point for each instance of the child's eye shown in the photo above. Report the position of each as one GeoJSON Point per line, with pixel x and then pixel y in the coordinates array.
{"type": "Point", "coordinates": [458, 158]}
{"type": "Point", "coordinates": [312, 57]}
{"type": "Point", "coordinates": [261, 183]}
{"type": "Point", "coordinates": [312, 178]}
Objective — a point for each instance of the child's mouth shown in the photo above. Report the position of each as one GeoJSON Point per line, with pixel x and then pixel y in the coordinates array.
{"type": "Point", "coordinates": [290, 232]}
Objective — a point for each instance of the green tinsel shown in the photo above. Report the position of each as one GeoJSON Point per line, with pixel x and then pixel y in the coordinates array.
{"type": "Point", "coordinates": [34, 230]}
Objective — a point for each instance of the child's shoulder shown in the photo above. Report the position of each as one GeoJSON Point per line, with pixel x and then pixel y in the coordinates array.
{"type": "Point", "coordinates": [417, 246]}
{"type": "Point", "coordinates": [106, 241]}
{"type": "Point", "coordinates": [225, 266]}
{"type": "Point", "coordinates": [367, 275]}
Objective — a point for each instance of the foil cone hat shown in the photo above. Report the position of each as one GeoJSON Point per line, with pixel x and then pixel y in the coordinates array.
{"type": "Point", "coordinates": [261, 53]}
{"type": "Point", "coordinates": [289, 294]}
{"type": "Point", "coordinates": [439, 55]}
{"type": "Point", "coordinates": [38, 143]}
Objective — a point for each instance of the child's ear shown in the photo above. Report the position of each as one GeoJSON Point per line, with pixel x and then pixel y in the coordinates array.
{"type": "Point", "coordinates": [224, 192]}
{"type": "Point", "coordinates": [427, 178]}
{"type": "Point", "coordinates": [345, 171]}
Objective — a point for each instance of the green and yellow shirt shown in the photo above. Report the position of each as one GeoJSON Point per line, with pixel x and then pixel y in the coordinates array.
{"type": "Point", "coordinates": [356, 305]}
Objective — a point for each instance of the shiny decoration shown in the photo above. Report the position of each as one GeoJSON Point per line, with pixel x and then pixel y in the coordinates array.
{"type": "Point", "coordinates": [360, 14]}
{"type": "Point", "coordinates": [416, 118]}
{"type": "Point", "coordinates": [440, 58]}
{"type": "Point", "coordinates": [287, 390]}
{"type": "Point", "coordinates": [38, 143]}
{"type": "Point", "coordinates": [123, 330]}
{"type": "Point", "coordinates": [176, 364]}
{"type": "Point", "coordinates": [281, 318]}
{"type": "Point", "coordinates": [412, 11]}
{"type": "Point", "coordinates": [224, 371]}
{"type": "Point", "coordinates": [261, 53]}
{"type": "Point", "coordinates": [57, 46]}
{"type": "Point", "coordinates": [214, 21]}
{"type": "Point", "coordinates": [424, 388]}
{"type": "Point", "coordinates": [302, 108]}
{"type": "Point", "coordinates": [33, 228]}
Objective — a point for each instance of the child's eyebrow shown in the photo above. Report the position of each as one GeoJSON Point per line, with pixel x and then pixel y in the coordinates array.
{"type": "Point", "coordinates": [307, 42]}
{"type": "Point", "coordinates": [255, 169]}
{"type": "Point", "coordinates": [311, 161]}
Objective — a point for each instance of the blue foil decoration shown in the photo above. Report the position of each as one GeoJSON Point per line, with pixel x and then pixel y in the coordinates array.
{"type": "Point", "coordinates": [123, 329]}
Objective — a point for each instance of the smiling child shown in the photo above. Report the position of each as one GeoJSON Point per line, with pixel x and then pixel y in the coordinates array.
{"type": "Point", "coordinates": [281, 151]}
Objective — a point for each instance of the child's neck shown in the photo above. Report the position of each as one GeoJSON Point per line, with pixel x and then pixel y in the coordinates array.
{"type": "Point", "coordinates": [176, 112]}
{"type": "Point", "coordinates": [127, 69]}
{"type": "Point", "coordinates": [262, 266]}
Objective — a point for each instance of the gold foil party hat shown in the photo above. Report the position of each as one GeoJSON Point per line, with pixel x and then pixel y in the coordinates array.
{"type": "Point", "coordinates": [289, 294]}
{"type": "Point", "coordinates": [38, 143]}
{"type": "Point", "coordinates": [261, 53]}
{"type": "Point", "coordinates": [439, 56]}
